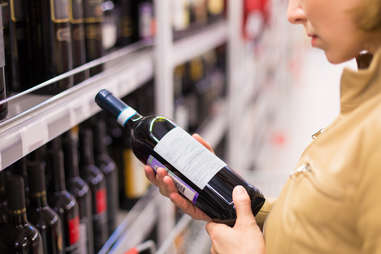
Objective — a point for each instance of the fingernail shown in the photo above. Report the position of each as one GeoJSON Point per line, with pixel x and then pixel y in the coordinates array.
{"type": "Point", "coordinates": [240, 191]}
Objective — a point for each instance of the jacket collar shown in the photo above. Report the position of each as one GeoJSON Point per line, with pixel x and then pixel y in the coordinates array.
{"type": "Point", "coordinates": [359, 86]}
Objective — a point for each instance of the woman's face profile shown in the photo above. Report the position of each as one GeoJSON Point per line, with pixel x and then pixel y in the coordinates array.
{"type": "Point", "coordinates": [331, 26]}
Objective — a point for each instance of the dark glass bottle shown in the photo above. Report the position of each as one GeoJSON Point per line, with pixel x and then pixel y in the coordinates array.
{"type": "Point", "coordinates": [109, 170]}
{"type": "Point", "coordinates": [50, 40]}
{"type": "Point", "coordinates": [19, 168]}
{"type": "Point", "coordinates": [80, 190]}
{"type": "Point", "coordinates": [146, 20]}
{"type": "Point", "coordinates": [77, 26]}
{"type": "Point", "coordinates": [3, 90]}
{"type": "Point", "coordinates": [63, 202]}
{"type": "Point", "coordinates": [93, 32]}
{"type": "Point", "coordinates": [40, 214]}
{"type": "Point", "coordinates": [20, 69]}
{"type": "Point", "coordinates": [126, 26]}
{"type": "Point", "coordinates": [18, 236]}
{"type": "Point", "coordinates": [200, 176]}
{"type": "Point", "coordinates": [96, 181]}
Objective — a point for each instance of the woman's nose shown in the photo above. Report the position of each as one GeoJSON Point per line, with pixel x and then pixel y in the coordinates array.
{"type": "Point", "coordinates": [295, 12]}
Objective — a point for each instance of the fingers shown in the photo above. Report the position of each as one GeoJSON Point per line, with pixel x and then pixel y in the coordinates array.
{"type": "Point", "coordinates": [187, 207]}
{"type": "Point", "coordinates": [150, 174]}
{"type": "Point", "coordinates": [203, 142]}
{"type": "Point", "coordinates": [216, 229]}
{"type": "Point", "coordinates": [243, 207]}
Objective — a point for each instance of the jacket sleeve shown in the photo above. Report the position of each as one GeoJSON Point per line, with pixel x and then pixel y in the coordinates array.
{"type": "Point", "coordinates": [265, 210]}
{"type": "Point", "coordinates": [368, 201]}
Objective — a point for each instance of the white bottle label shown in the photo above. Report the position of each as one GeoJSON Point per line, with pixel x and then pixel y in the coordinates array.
{"type": "Point", "coordinates": [189, 157]}
{"type": "Point", "coordinates": [82, 238]}
{"type": "Point", "coordinates": [125, 115]}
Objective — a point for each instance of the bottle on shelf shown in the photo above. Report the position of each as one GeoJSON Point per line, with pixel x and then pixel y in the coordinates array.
{"type": "Point", "coordinates": [198, 13]}
{"type": "Point", "coordinates": [146, 20]}
{"type": "Point", "coordinates": [19, 67]}
{"type": "Point", "coordinates": [216, 10]}
{"type": "Point", "coordinates": [126, 25]}
{"type": "Point", "coordinates": [62, 201]}
{"type": "Point", "coordinates": [77, 27]}
{"type": "Point", "coordinates": [40, 214]}
{"type": "Point", "coordinates": [19, 168]}
{"type": "Point", "coordinates": [80, 190]}
{"type": "Point", "coordinates": [96, 181]}
{"type": "Point", "coordinates": [49, 39]}
{"type": "Point", "coordinates": [110, 24]}
{"type": "Point", "coordinates": [18, 235]}
{"type": "Point", "coordinates": [180, 18]}
{"type": "Point", "coordinates": [93, 32]}
{"type": "Point", "coordinates": [109, 170]}
{"type": "Point", "coordinates": [3, 89]}
{"type": "Point", "coordinates": [200, 176]}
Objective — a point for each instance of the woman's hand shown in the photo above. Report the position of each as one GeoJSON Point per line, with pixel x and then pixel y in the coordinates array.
{"type": "Point", "coordinates": [245, 237]}
{"type": "Point", "coordinates": [167, 187]}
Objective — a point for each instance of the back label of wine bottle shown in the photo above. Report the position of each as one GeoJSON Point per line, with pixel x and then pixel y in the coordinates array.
{"type": "Point", "coordinates": [74, 230]}
{"type": "Point", "coordinates": [76, 11]}
{"type": "Point", "coordinates": [60, 11]}
{"type": "Point", "coordinates": [188, 156]}
{"type": "Point", "coordinates": [181, 186]}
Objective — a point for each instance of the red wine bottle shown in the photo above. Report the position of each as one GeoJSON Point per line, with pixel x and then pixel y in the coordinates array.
{"type": "Point", "coordinates": [63, 202]}
{"type": "Point", "coordinates": [96, 181]}
{"type": "Point", "coordinates": [40, 214]}
{"type": "Point", "coordinates": [81, 191]}
{"type": "Point", "coordinates": [200, 176]}
{"type": "Point", "coordinates": [109, 170]}
{"type": "Point", "coordinates": [18, 235]}
{"type": "Point", "coordinates": [126, 28]}
{"type": "Point", "coordinates": [77, 27]}
{"type": "Point", "coordinates": [3, 106]}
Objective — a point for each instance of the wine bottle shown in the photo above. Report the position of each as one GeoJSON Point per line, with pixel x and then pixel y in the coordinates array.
{"type": "Point", "coordinates": [3, 106]}
{"type": "Point", "coordinates": [146, 20]}
{"type": "Point", "coordinates": [93, 32]}
{"type": "Point", "coordinates": [20, 69]}
{"type": "Point", "coordinates": [96, 181]}
{"type": "Point", "coordinates": [81, 191]}
{"type": "Point", "coordinates": [109, 26]}
{"type": "Point", "coordinates": [109, 170]}
{"type": "Point", "coordinates": [18, 236]}
{"type": "Point", "coordinates": [126, 28]}
{"type": "Point", "coordinates": [77, 28]}
{"type": "Point", "coordinates": [200, 176]}
{"type": "Point", "coordinates": [19, 168]}
{"type": "Point", "coordinates": [215, 10]}
{"type": "Point", "coordinates": [54, 41]}
{"type": "Point", "coordinates": [40, 214]}
{"type": "Point", "coordinates": [63, 202]}
{"type": "Point", "coordinates": [180, 18]}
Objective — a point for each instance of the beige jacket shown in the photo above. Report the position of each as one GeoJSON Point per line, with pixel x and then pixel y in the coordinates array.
{"type": "Point", "coordinates": [332, 202]}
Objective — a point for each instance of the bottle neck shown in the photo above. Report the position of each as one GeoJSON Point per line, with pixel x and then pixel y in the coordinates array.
{"type": "Point", "coordinates": [71, 159]}
{"type": "Point", "coordinates": [17, 217]}
{"type": "Point", "coordinates": [133, 121]}
{"type": "Point", "coordinates": [58, 169]}
{"type": "Point", "coordinates": [38, 200]}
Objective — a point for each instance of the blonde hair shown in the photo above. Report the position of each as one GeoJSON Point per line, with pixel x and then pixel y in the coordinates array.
{"type": "Point", "coordinates": [368, 15]}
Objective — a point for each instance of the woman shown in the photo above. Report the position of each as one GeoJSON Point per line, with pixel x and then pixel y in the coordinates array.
{"type": "Point", "coordinates": [331, 203]}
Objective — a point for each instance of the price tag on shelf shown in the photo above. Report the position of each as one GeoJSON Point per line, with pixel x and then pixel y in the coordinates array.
{"type": "Point", "coordinates": [34, 135]}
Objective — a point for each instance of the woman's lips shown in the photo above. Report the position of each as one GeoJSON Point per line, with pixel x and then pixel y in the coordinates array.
{"type": "Point", "coordinates": [314, 38]}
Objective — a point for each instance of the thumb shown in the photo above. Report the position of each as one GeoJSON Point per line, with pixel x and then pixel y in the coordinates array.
{"type": "Point", "coordinates": [242, 204]}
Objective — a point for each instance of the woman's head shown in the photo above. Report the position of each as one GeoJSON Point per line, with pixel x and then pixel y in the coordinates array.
{"type": "Point", "coordinates": [342, 28]}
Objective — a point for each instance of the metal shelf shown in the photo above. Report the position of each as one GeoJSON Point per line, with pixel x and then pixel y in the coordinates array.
{"type": "Point", "coordinates": [207, 39]}
{"type": "Point", "coordinates": [35, 127]}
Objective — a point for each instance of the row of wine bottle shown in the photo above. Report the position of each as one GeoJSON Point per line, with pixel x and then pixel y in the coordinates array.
{"type": "Point", "coordinates": [72, 205]}
{"type": "Point", "coordinates": [198, 84]}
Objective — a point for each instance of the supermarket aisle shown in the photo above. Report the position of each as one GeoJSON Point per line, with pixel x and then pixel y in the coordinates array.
{"type": "Point", "coordinates": [313, 104]}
